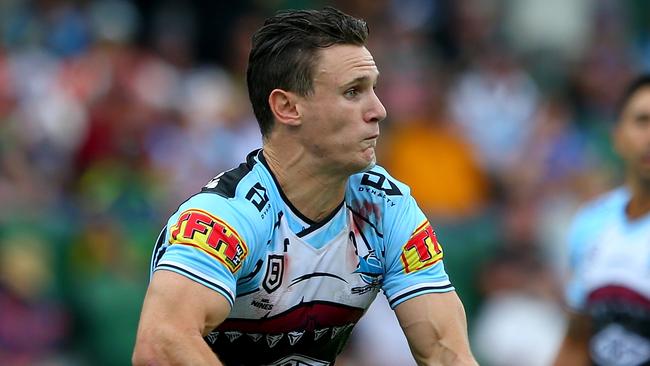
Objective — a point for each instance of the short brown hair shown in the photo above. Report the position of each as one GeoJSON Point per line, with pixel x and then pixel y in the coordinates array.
{"type": "Point", "coordinates": [284, 53]}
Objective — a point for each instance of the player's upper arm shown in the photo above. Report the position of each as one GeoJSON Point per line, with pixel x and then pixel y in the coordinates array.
{"type": "Point", "coordinates": [210, 240]}
{"type": "Point", "coordinates": [436, 329]}
{"type": "Point", "coordinates": [176, 314]}
{"type": "Point", "coordinates": [413, 260]}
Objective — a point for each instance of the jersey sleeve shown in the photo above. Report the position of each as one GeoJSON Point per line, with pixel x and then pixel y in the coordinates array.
{"type": "Point", "coordinates": [413, 255]}
{"type": "Point", "coordinates": [207, 240]}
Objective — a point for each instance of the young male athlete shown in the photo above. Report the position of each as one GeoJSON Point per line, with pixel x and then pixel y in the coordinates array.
{"type": "Point", "coordinates": [273, 262]}
{"type": "Point", "coordinates": [610, 254]}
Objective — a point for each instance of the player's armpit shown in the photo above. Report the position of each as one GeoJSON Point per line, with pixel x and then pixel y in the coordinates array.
{"type": "Point", "coordinates": [176, 314]}
{"type": "Point", "coordinates": [436, 329]}
{"type": "Point", "coordinates": [574, 350]}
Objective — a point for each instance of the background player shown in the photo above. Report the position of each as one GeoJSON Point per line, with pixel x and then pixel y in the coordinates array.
{"type": "Point", "coordinates": [610, 254]}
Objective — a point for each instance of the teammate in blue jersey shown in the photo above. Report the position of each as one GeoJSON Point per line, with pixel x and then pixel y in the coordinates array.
{"type": "Point", "coordinates": [610, 254]}
{"type": "Point", "coordinates": [273, 262]}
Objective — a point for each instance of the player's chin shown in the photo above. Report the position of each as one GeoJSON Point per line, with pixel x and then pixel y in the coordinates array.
{"type": "Point", "coordinates": [369, 160]}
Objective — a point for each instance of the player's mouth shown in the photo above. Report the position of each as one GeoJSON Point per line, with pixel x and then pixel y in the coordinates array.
{"type": "Point", "coordinates": [370, 142]}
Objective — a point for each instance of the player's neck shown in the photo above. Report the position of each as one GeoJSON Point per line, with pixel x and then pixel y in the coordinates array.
{"type": "Point", "coordinates": [639, 204]}
{"type": "Point", "coordinates": [314, 191]}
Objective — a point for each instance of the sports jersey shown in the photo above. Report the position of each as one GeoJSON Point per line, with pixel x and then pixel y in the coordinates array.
{"type": "Point", "coordinates": [610, 259]}
{"type": "Point", "coordinates": [297, 287]}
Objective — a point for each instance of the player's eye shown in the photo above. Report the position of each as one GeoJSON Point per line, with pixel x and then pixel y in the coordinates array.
{"type": "Point", "coordinates": [351, 93]}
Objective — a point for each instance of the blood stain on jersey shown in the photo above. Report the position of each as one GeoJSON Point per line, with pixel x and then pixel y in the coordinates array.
{"type": "Point", "coordinates": [365, 213]}
{"type": "Point", "coordinates": [422, 250]}
{"type": "Point", "coordinates": [210, 234]}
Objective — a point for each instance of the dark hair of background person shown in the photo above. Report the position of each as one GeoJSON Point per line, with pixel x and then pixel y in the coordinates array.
{"type": "Point", "coordinates": [638, 83]}
{"type": "Point", "coordinates": [284, 53]}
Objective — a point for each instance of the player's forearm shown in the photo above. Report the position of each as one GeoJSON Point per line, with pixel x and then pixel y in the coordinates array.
{"type": "Point", "coordinates": [444, 351]}
{"type": "Point", "coordinates": [436, 329]}
{"type": "Point", "coordinates": [447, 356]}
{"type": "Point", "coordinates": [162, 347]}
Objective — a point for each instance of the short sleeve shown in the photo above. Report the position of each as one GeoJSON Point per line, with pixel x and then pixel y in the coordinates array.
{"type": "Point", "coordinates": [413, 255]}
{"type": "Point", "coordinates": [208, 241]}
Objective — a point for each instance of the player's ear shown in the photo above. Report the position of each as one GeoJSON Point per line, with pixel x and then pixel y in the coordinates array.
{"type": "Point", "coordinates": [283, 106]}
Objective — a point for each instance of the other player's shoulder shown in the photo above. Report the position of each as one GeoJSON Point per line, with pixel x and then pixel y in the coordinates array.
{"type": "Point", "coordinates": [612, 202]}
{"type": "Point", "coordinates": [592, 218]}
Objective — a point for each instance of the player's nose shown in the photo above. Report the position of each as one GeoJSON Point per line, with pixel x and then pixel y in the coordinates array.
{"type": "Point", "coordinates": [376, 111]}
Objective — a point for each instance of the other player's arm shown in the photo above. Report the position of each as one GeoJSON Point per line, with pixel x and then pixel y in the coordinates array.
{"type": "Point", "coordinates": [176, 314]}
{"type": "Point", "coordinates": [436, 329]}
{"type": "Point", "coordinates": [574, 350]}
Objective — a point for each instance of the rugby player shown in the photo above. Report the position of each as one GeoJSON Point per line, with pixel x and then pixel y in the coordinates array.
{"type": "Point", "coordinates": [273, 262]}
{"type": "Point", "coordinates": [609, 246]}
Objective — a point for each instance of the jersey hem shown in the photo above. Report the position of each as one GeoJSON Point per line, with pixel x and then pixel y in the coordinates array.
{"type": "Point", "coordinates": [412, 292]}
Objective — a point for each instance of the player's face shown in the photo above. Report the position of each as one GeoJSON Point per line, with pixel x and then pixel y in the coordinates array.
{"type": "Point", "coordinates": [341, 117]}
{"type": "Point", "coordinates": [633, 134]}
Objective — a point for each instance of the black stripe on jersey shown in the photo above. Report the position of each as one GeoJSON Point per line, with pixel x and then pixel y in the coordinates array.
{"type": "Point", "coordinates": [319, 225]}
{"type": "Point", "coordinates": [198, 278]}
{"type": "Point", "coordinates": [421, 289]}
{"type": "Point", "coordinates": [157, 252]}
{"type": "Point", "coordinates": [363, 236]}
{"type": "Point", "coordinates": [228, 181]}
{"type": "Point", "coordinates": [250, 276]}
{"type": "Point", "coordinates": [315, 274]}
{"type": "Point", "coordinates": [366, 220]}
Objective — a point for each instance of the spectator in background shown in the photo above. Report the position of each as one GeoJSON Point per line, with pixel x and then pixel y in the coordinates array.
{"type": "Point", "coordinates": [34, 323]}
{"type": "Point", "coordinates": [448, 181]}
{"type": "Point", "coordinates": [99, 97]}
{"type": "Point", "coordinates": [493, 105]}
{"type": "Point", "coordinates": [610, 254]}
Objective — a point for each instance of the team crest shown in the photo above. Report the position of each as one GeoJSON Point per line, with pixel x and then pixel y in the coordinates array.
{"type": "Point", "coordinates": [274, 273]}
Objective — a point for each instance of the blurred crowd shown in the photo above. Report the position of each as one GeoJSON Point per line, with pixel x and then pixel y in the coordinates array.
{"type": "Point", "coordinates": [112, 112]}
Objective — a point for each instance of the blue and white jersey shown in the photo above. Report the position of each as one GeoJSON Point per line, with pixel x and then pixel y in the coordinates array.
{"type": "Point", "coordinates": [610, 260]}
{"type": "Point", "coordinates": [297, 287]}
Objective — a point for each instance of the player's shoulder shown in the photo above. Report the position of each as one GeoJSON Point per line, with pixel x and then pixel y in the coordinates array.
{"type": "Point", "coordinates": [237, 197]}
{"type": "Point", "coordinates": [591, 218]}
{"type": "Point", "coordinates": [611, 202]}
{"type": "Point", "coordinates": [377, 185]}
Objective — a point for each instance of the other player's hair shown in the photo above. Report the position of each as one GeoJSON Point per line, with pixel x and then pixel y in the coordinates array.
{"type": "Point", "coordinates": [285, 52]}
{"type": "Point", "coordinates": [641, 81]}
